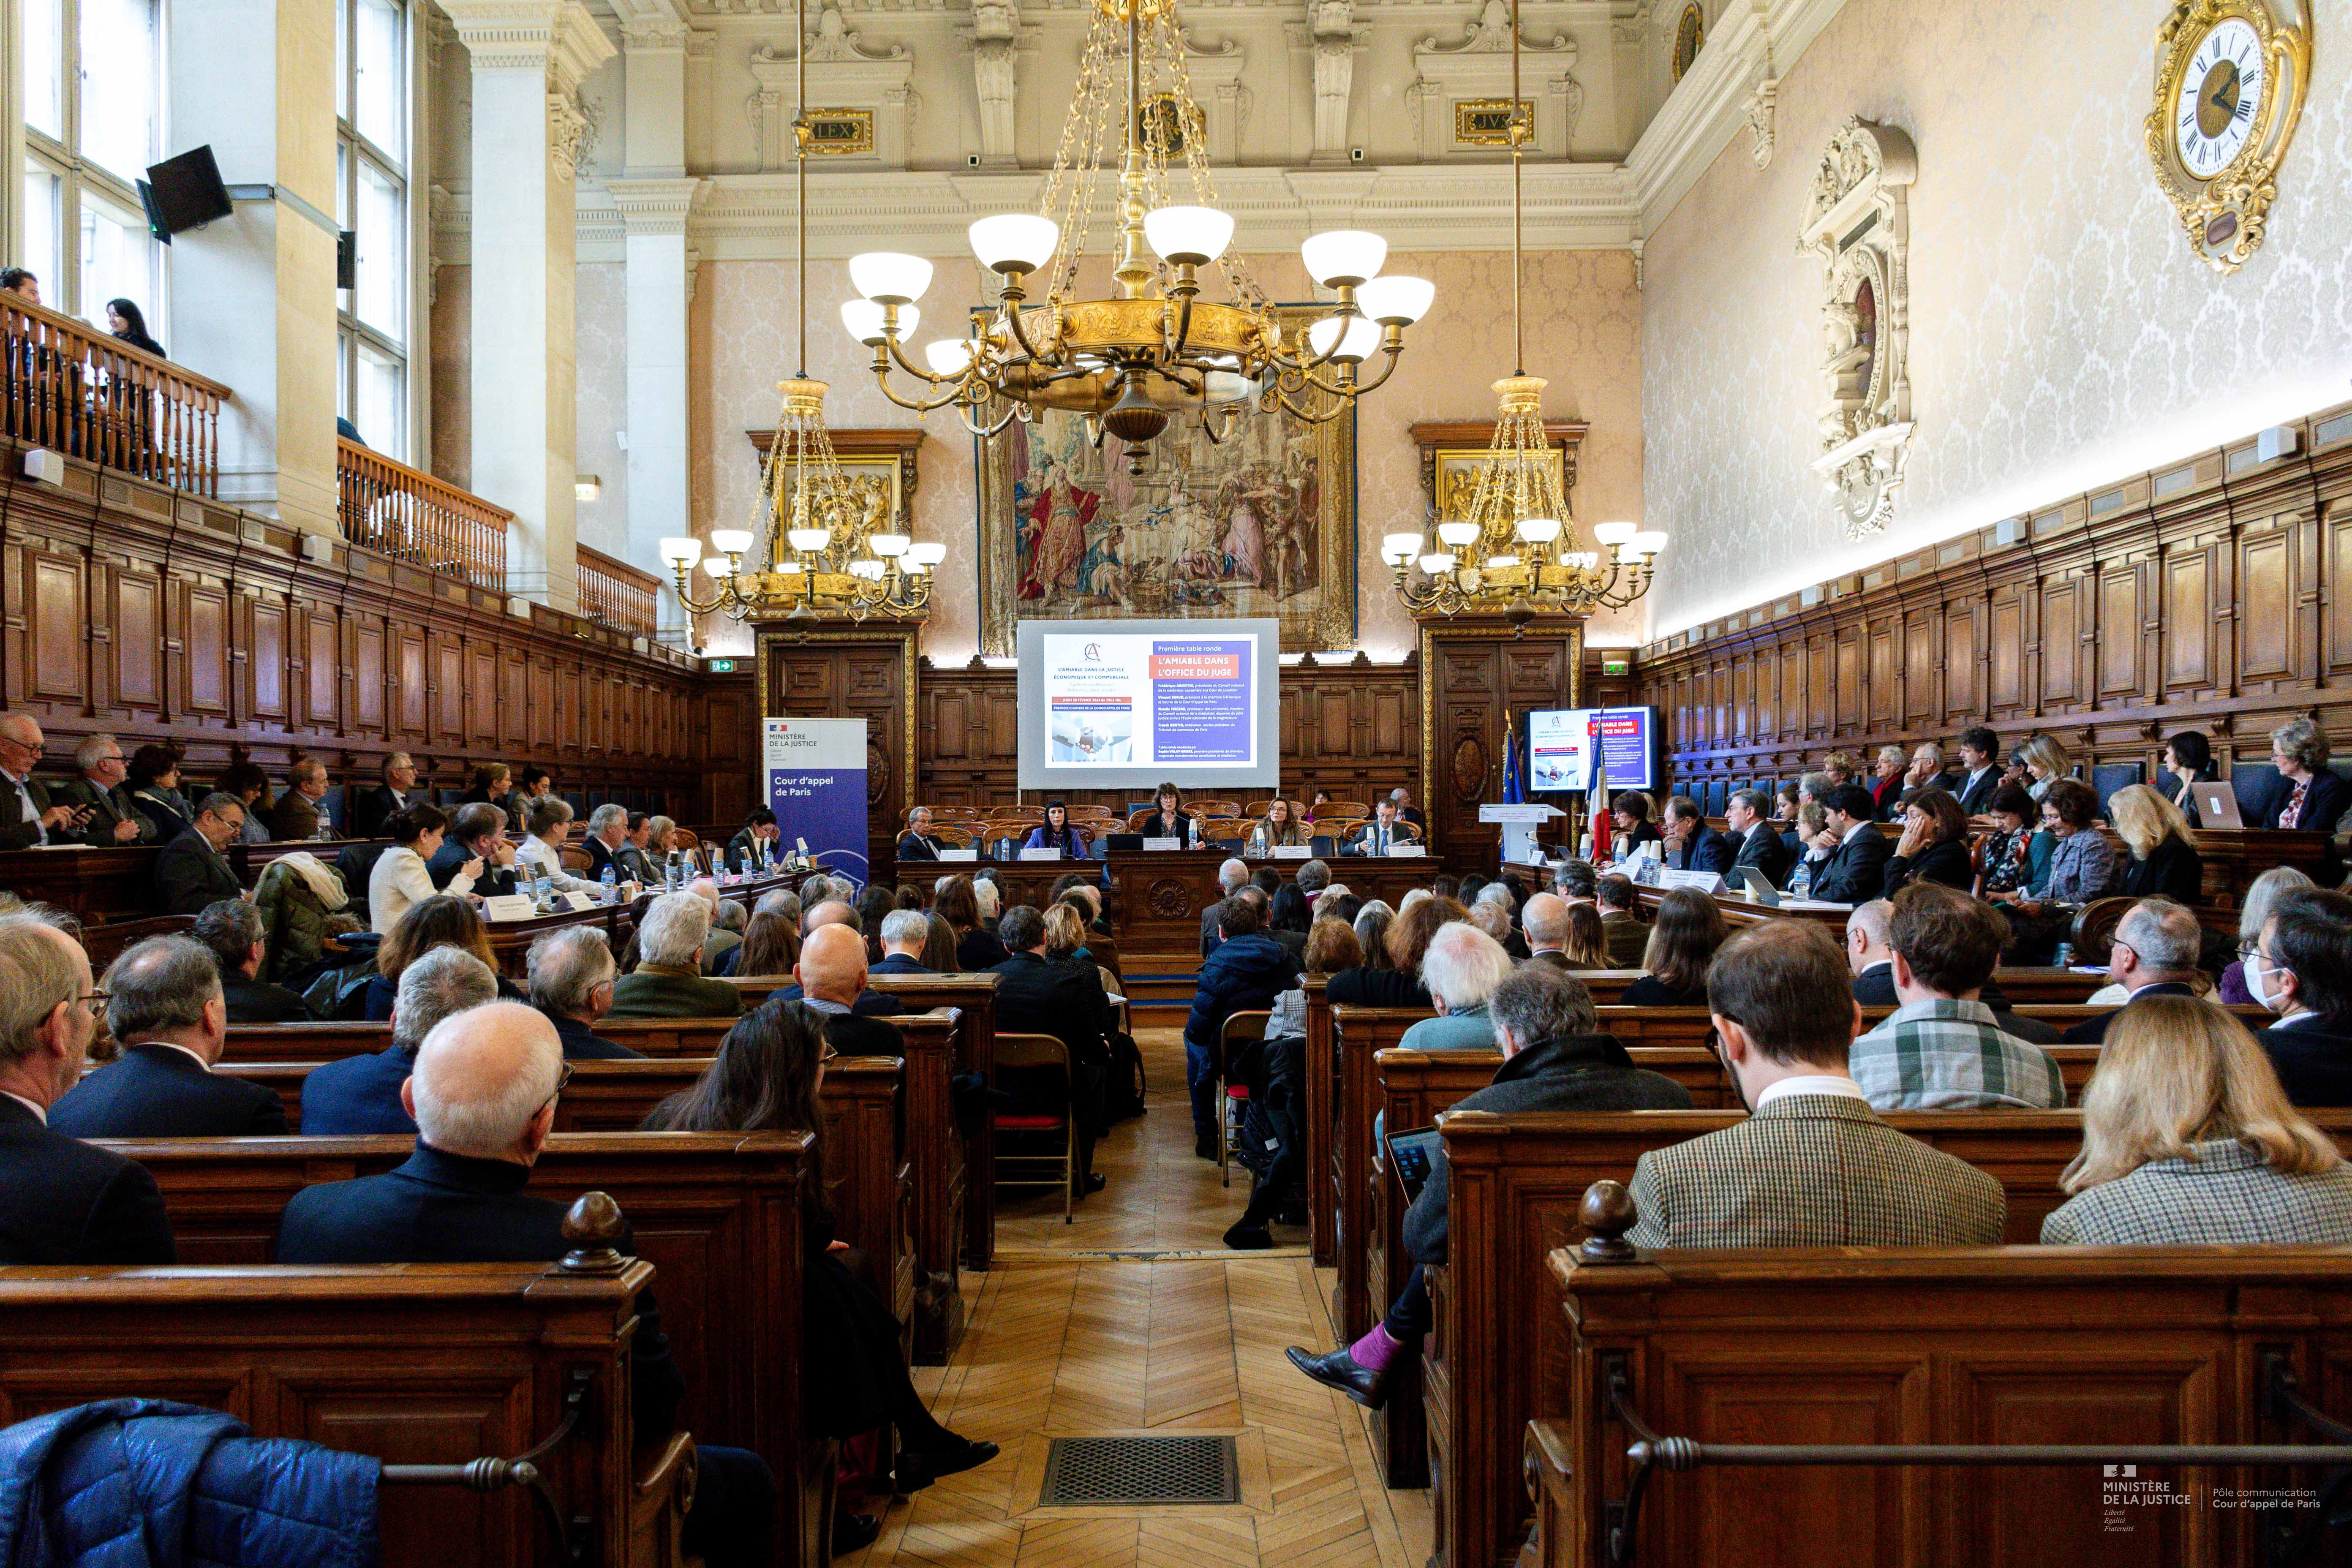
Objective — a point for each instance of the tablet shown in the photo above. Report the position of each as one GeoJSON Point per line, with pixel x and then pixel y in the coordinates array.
{"type": "Point", "coordinates": [1415, 1155]}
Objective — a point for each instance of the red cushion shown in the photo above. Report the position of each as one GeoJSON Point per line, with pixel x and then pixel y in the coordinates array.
{"type": "Point", "coordinates": [1026, 1123]}
{"type": "Point", "coordinates": [1236, 1092]}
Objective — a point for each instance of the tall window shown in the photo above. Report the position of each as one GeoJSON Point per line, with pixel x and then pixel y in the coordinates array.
{"type": "Point", "coordinates": [93, 113]}
{"type": "Point", "coordinates": [372, 201]}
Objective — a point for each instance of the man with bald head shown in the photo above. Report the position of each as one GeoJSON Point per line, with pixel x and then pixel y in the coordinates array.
{"type": "Point", "coordinates": [829, 980]}
{"type": "Point", "coordinates": [1546, 919]}
{"type": "Point", "coordinates": [483, 1093]}
{"type": "Point", "coordinates": [833, 914]}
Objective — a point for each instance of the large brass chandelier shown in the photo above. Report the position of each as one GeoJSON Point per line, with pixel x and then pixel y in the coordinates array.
{"type": "Point", "coordinates": [1500, 557]}
{"type": "Point", "coordinates": [823, 547]}
{"type": "Point", "coordinates": [1153, 350]}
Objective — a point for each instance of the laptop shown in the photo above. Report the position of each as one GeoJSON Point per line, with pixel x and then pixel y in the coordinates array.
{"type": "Point", "coordinates": [1415, 1155]}
{"type": "Point", "coordinates": [1124, 842]}
{"type": "Point", "coordinates": [2217, 804]}
{"type": "Point", "coordinates": [1760, 885]}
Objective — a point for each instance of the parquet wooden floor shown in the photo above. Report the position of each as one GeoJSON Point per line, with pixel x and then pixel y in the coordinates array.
{"type": "Point", "coordinates": [1143, 1322]}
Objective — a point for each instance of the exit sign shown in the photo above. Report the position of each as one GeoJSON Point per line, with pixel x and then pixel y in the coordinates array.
{"type": "Point", "coordinates": [1616, 664]}
{"type": "Point", "coordinates": [720, 665]}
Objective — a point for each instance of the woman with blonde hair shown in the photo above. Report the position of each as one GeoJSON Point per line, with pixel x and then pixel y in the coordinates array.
{"type": "Point", "coordinates": [1065, 933]}
{"type": "Point", "coordinates": [2164, 864]}
{"type": "Point", "coordinates": [2188, 1139]}
{"type": "Point", "coordinates": [1279, 828]}
{"type": "Point", "coordinates": [1587, 944]}
{"type": "Point", "coordinates": [2046, 762]}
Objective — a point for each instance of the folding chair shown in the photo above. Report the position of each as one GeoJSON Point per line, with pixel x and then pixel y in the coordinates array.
{"type": "Point", "coordinates": [1232, 1097]}
{"type": "Point", "coordinates": [1036, 1051]}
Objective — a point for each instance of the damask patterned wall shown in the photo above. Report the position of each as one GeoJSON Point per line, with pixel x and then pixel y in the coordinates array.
{"type": "Point", "coordinates": [2062, 333]}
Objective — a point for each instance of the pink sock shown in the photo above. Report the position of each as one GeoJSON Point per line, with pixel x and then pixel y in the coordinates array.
{"type": "Point", "coordinates": [1376, 1349]}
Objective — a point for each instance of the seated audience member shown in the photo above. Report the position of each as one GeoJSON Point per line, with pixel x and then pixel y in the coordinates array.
{"type": "Point", "coordinates": [1278, 1090]}
{"type": "Point", "coordinates": [2301, 969]}
{"type": "Point", "coordinates": [571, 980]}
{"type": "Point", "coordinates": [2153, 953]}
{"type": "Point", "coordinates": [193, 869]}
{"type": "Point", "coordinates": [1066, 936]}
{"type": "Point", "coordinates": [2187, 759]}
{"type": "Point", "coordinates": [165, 1011]}
{"type": "Point", "coordinates": [772, 939]}
{"type": "Point", "coordinates": [1630, 812]}
{"type": "Point", "coordinates": [1691, 843]}
{"type": "Point", "coordinates": [492, 781]}
{"type": "Point", "coordinates": [1587, 944]}
{"type": "Point", "coordinates": [1785, 806]}
{"type": "Point", "coordinates": [1460, 970]}
{"type": "Point", "coordinates": [1379, 835]}
{"type": "Point", "coordinates": [939, 954]}
{"type": "Point", "coordinates": [607, 838]}
{"type": "Point", "coordinates": [2015, 854]}
{"type": "Point", "coordinates": [1811, 1165]}
{"type": "Point", "coordinates": [1556, 1058]}
{"type": "Point", "coordinates": [1753, 842]}
{"type": "Point", "coordinates": [830, 978]}
{"type": "Point", "coordinates": [639, 861]}
{"type": "Point", "coordinates": [100, 798]}
{"type": "Point", "coordinates": [1036, 995]}
{"type": "Point", "coordinates": [2307, 792]}
{"type": "Point", "coordinates": [231, 929]}
{"type": "Point", "coordinates": [1401, 798]}
{"type": "Point", "coordinates": [546, 827]}
{"type": "Point", "coordinates": [1887, 782]}
{"type": "Point", "coordinates": [1280, 828]}
{"type": "Point", "coordinates": [757, 837]}
{"type": "Point", "coordinates": [1372, 928]}
{"type": "Point", "coordinates": [1628, 933]}
{"type": "Point", "coordinates": [1870, 954]}
{"type": "Point", "coordinates": [532, 785]}
{"type": "Point", "coordinates": [1683, 942]}
{"type": "Point", "coordinates": [919, 842]}
{"type": "Point", "coordinates": [1545, 921]}
{"type": "Point", "coordinates": [154, 784]}
{"type": "Point", "coordinates": [371, 817]}
{"type": "Point", "coordinates": [1246, 972]}
{"type": "Point", "coordinates": [477, 832]}
{"type": "Point", "coordinates": [483, 1092]}
{"type": "Point", "coordinates": [2163, 863]}
{"type": "Point", "coordinates": [298, 813]}
{"type": "Point", "coordinates": [61, 1200]}
{"type": "Point", "coordinates": [1232, 875]}
{"type": "Point", "coordinates": [1574, 880]}
{"type": "Point", "coordinates": [1393, 979]}
{"type": "Point", "coordinates": [1490, 912]}
{"type": "Point", "coordinates": [1944, 1050]}
{"type": "Point", "coordinates": [400, 880]}
{"type": "Point", "coordinates": [1934, 846]}
{"type": "Point", "coordinates": [1927, 770]}
{"type": "Point", "coordinates": [441, 921]}
{"type": "Point", "coordinates": [1841, 769]}
{"type": "Point", "coordinates": [668, 982]}
{"type": "Point", "coordinates": [720, 941]}
{"type": "Point", "coordinates": [1809, 828]}
{"type": "Point", "coordinates": [1978, 774]}
{"type": "Point", "coordinates": [247, 785]}
{"type": "Point", "coordinates": [1057, 832]}
{"type": "Point", "coordinates": [2046, 762]}
{"type": "Point", "coordinates": [2252, 915]}
{"type": "Point", "coordinates": [360, 1095]}
{"type": "Point", "coordinates": [1848, 860]}
{"type": "Point", "coordinates": [977, 948]}
{"type": "Point", "coordinates": [2082, 868]}
{"type": "Point", "coordinates": [2188, 1141]}
{"type": "Point", "coordinates": [905, 934]}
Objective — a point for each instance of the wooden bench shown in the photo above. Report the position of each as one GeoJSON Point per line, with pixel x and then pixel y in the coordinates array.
{"type": "Point", "coordinates": [1516, 1184]}
{"type": "Point", "coordinates": [2088, 1348]}
{"type": "Point", "coordinates": [717, 1213]}
{"type": "Point", "coordinates": [416, 1364]}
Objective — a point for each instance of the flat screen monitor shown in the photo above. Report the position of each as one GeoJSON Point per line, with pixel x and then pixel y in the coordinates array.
{"type": "Point", "coordinates": [1563, 742]}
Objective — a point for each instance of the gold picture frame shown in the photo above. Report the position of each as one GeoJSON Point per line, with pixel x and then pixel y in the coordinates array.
{"type": "Point", "coordinates": [1486, 121]}
{"type": "Point", "coordinates": [1454, 473]}
{"type": "Point", "coordinates": [840, 132]}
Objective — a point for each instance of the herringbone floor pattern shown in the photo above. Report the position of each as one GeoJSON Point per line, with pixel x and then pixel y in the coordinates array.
{"type": "Point", "coordinates": [1062, 1346]}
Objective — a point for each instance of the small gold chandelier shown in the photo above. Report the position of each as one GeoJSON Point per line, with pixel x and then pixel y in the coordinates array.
{"type": "Point", "coordinates": [828, 550]}
{"type": "Point", "coordinates": [1495, 558]}
{"type": "Point", "coordinates": [1153, 350]}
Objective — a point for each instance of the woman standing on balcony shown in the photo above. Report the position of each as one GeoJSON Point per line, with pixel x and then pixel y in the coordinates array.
{"type": "Point", "coordinates": [124, 320]}
{"type": "Point", "coordinates": [128, 394]}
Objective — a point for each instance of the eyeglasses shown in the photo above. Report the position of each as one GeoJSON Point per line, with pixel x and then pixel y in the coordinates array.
{"type": "Point", "coordinates": [826, 1054]}
{"type": "Point", "coordinates": [562, 1077]}
{"type": "Point", "coordinates": [95, 1001]}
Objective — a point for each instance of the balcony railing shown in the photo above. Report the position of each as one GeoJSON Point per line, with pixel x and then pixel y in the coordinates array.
{"type": "Point", "coordinates": [617, 593]}
{"type": "Point", "coordinates": [411, 516]}
{"type": "Point", "coordinates": [74, 389]}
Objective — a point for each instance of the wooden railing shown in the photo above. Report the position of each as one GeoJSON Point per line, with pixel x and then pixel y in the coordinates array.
{"type": "Point", "coordinates": [77, 390]}
{"type": "Point", "coordinates": [411, 516]}
{"type": "Point", "coordinates": [617, 593]}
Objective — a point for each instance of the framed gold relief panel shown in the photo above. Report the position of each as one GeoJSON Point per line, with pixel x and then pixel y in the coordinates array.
{"type": "Point", "coordinates": [875, 488]}
{"type": "Point", "coordinates": [1454, 473]}
{"type": "Point", "coordinates": [839, 132]}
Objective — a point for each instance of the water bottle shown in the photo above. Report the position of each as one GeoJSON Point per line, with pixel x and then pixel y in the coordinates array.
{"type": "Point", "coordinates": [542, 891]}
{"type": "Point", "coordinates": [2064, 958]}
{"type": "Point", "coordinates": [673, 873]}
{"type": "Point", "coordinates": [611, 881]}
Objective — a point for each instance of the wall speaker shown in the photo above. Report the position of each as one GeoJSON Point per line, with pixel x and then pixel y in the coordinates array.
{"type": "Point", "coordinates": [184, 191]}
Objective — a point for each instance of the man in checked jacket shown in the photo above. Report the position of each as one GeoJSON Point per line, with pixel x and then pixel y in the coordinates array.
{"type": "Point", "coordinates": [1813, 1165]}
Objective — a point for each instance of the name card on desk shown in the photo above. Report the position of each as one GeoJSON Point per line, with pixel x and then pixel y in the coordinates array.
{"type": "Point", "coordinates": [1291, 852]}
{"type": "Point", "coordinates": [509, 907]}
{"type": "Point", "coordinates": [1708, 882]}
{"type": "Point", "coordinates": [578, 901]}
{"type": "Point", "coordinates": [1158, 845]}
{"type": "Point", "coordinates": [958, 853]}
{"type": "Point", "coordinates": [1405, 850]}
{"type": "Point", "coordinates": [1041, 855]}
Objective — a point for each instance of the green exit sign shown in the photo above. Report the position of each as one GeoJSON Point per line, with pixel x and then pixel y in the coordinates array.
{"type": "Point", "coordinates": [1616, 664]}
{"type": "Point", "coordinates": [721, 666]}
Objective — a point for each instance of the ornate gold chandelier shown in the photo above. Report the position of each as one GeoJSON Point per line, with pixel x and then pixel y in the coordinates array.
{"type": "Point", "coordinates": [1153, 350]}
{"type": "Point", "coordinates": [1500, 556]}
{"type": "Point", "coordinates": [828, 551]}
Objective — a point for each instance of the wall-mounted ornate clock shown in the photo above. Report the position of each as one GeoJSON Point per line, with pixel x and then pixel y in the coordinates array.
{"type": "Point", "coordinates": [1689, 34]}
{"type": "Point", "coordinates": [2231, 76]}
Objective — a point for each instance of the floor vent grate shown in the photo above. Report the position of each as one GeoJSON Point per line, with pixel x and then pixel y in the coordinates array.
{"type": "Point", "coordinates": [1140, 1470]}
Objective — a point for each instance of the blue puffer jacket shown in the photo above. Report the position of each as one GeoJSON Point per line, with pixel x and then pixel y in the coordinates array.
{"type": "Point", "coordinates": [146, 1483]}
{"type": "Point", "coordinates": [1244, 974]}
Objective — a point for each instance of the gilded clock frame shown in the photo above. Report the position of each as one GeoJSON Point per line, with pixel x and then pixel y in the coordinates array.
{"type": "Point", "coordinates": [2226, 217]}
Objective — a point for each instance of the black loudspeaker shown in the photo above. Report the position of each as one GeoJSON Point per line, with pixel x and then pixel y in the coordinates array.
{"type": "Point", "coordinates": [183, 192]}
{"type": "Point", "coordinates": [347, 260]}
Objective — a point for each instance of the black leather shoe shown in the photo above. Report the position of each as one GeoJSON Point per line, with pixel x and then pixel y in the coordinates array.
{"type": "Point", "coordinates": [918, 1468]}
{"type": "Point", "coordinates": [854, 1533]}
{"type": "Point", "coordinates": [1205, 1148]}
{"type": "Point", "coordinates": [1247, 1238]}
{"type": "Point", "coordinates": [1338, 1369]}
{"type": "Point", "coordinates": [1087, 1182]}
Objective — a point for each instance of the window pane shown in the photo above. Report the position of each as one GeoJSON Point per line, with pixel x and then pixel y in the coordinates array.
{"type": "Point", "coordinates": [381, 113]}
{"type": "Point", "coordinates": [118, 84]}
{"type": "Point", "coordinates": [378, 402]}
{"type": "Point", "coordinates": [44, 67]}
{"type": "Point", "coordinates": [118, 262]}
{"type": "Point", "coordinates": [41, 187]}
{"type": "Point", "coordinates": [342, 61]}
{"type": "Point", "coordinates": [381, 299]}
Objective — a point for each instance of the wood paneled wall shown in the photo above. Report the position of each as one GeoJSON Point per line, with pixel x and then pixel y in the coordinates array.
{"type": "Point", "coordinates": [157, 617]}
{"type": "Point", "coordinates": [2208, 594]}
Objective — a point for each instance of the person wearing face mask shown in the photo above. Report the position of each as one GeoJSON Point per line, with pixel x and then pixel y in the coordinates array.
{"type": "Point", "coordinates": [2301, 969]}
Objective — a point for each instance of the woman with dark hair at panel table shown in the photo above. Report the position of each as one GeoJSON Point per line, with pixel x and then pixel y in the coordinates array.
{"type": "Point", "coordinates": [1057, 833]}
{"type": "Point", "coordinates": [2187, 759]}
{"type": "Point", "coordinates": [759, 829]}
{"type": "Point", "coordinates": [532, 784]}
{"type": "Point", "coordinates": [2164, 864]}
{"type": "Point", "coordinates": [2307, 792]}
{"type": "Point", "coordinates": [1935, 844]}
{"type": "Point", "coordinates": [251, 787]}
{"type": "Point", "coordinates": [400, 880]}
{"type": "Point", "coordinates": [1278, 829]}
{"type": "Point", "coordinates": [2015, 854]}
{"type": "Point", "coordinates": [1170, 820]}
{"type": "Point", "coordinates": [1631, 811]}
{"type": "Point", "coordinates": [1682, 939]}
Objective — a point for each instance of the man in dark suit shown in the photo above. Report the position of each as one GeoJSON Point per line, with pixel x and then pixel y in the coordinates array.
{"type": "Point", "coordinates": [359, 1095]}
{"type": "Point", "coordinates": [1232, 878]}
{"type": "Point", "coordinates": [2301, 969]}
{"type": "Point", "coordinates": [1627, 932]}
{"type": "Point", "coordinates": [483, 1093]}
{"type": "Point", "coordinates": [100, 797]}
{"type": "Point", "coordinates": [477, 830]}
{"type": "Point", "coordinates": [864, 1004]}
{"type": "Point", "coordinates": [1401, 798]}
{"type": "Point", "coordinates": [298, 813]}
{"type": "Point", "coordinates": [1545, 918]}
{"type": "Point", "coordinates": [371, 815]}
{"type": "Point", "coordinates": [1978, 774]}
{"type": "Point", "coordinates": [1376, 836]}
{"type": "Point", "coordinates": [2155, 952]}
{"type": "Point", "coordinates": [1037, 995]}
{"type": "Point", "coordinates": [61, 1200]}
{"type": "Point", "coordinates": [1754, 842]}
{"type": "Point", "coordinates": [607, 836]}
{"type": "Point", "coordinates": [1855, 871]}
{"type": "Point", "coordinates": [1691, 843]}
{"type": "Point", "coordinates": [27, 816]}
{"type": "Point", "coordinates": [192, 871]}
{"type": "Point", "coordinates": [2307, 792]}
{"type": "Point", "coordinates": [572, 975]}
{"type": "Point", "coordinates": [919, 842]}
{"type": "Point", "coordinates": [165, 1009]}
{"type": "Point", "coordinates": [904, 933]}
{"type": "Point", "coordinates": [830, 979]}
{"type": "Point", "coordinates": [232, 929]}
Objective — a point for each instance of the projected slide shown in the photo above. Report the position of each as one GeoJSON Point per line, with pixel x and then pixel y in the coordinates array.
{"type": "Point", "coordinates": [1113, 705]}
{"type": "Point", "coordinates": [1562, 742]}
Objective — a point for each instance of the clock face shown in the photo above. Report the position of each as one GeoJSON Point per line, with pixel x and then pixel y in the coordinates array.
{"type": "Point", "coordinates": [2220, 98]}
